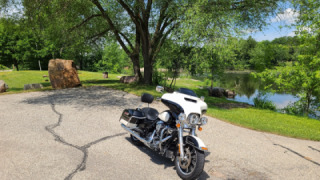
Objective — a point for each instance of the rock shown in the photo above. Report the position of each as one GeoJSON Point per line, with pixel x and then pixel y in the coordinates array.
{"type": "Point", "coordinates": [3, 86]}
{"type": "Point", "coordinates": [63, 74]}
{"type": "Point", "coordinates": [128, 79]}
{"type": "Point", "coordinates": [32, 86]}
{"type": "Point", "coordinates": [230, 94]}
{"type": "Point", "coordinates": [220, 92]}
{"type": "Point", "coordinates": [216, 92]}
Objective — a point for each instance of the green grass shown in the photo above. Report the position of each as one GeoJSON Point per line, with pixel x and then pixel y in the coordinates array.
{"type": "Point", "coordinates": [257, 119]}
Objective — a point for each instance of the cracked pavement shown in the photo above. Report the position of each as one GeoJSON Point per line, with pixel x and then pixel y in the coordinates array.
{"type": "Point", "coordinates": [75, 134]}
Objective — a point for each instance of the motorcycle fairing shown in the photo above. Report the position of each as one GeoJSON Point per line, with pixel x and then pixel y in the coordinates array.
{"type": "Point", "coordinates": [189, 104]}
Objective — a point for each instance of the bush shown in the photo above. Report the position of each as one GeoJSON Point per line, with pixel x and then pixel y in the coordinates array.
{"type": "Point", "coordinates": [262, 103]}
{"type": "Point", "coordinates": [295, 108]}
{"type": "Point", "coordinates": [2, 67]}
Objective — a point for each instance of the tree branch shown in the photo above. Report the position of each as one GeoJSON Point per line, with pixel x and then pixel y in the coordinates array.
{"type": "Point", "coordinates": [128, 41]}
{"type": "Point", "coordinates": [100, 34]}
{"type": "Point", "coordinates": [130, 12]}
{"type": "Point", "coordinates": [84, 21]}
{"type": "Point", "coordinates": [112, 26]}
{"type": "Point", "coordinates": [162, 40]}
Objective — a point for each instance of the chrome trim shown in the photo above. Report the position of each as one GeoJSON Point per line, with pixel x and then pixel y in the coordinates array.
{"type": "Point", "coordinates": [180, 135]}
{"type": "Point", "coordinates": [151, 137]}
{"type": "Point", "coordinates": [161, 136]}
{"type": "Point", "coordinates": [137, 136]}
{"type": "Point", "coordinates": [193, 131]}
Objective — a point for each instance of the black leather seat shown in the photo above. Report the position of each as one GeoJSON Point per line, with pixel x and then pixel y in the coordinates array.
{"type": "Point", "coordinates": [150, 113]}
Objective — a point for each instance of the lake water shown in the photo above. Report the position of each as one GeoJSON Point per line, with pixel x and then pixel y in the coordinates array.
{"type": "Point", "coordinates": [247, 88]}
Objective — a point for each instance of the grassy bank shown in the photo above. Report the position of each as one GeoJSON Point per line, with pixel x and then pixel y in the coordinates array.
{"type": "Point", "coordinates": [229, 111]}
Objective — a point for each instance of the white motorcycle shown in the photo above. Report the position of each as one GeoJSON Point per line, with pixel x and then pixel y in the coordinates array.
{"type": "Point", "coordinates": [166, 132]}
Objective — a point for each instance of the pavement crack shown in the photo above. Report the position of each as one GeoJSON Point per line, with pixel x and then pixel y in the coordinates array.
{"type": "Point", "coordinates": [298, 154]}
{"type": "Point", "coordinates": [313, 148]}
{"type": "Point", "coordinates": [84, 149]}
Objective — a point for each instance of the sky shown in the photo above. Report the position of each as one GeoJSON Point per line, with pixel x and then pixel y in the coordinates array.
{"type": "Point", "coordinates": [279, 26]}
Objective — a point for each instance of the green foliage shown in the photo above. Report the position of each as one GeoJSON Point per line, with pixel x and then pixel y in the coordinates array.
{"type": "Point", "coordinates": [262, 102]}
{"type": "Point", "coordinates": [301, 78]}
{"type": "Point", "coordinates": [2, 67]}
{"type": "Point", "coordinates": [113, 59]}
{"type": "Point", "coordinates": [296, 108]}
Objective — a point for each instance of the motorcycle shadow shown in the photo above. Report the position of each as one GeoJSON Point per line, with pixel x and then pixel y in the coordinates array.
{"type": "Point", "coordinates": [160, 160]}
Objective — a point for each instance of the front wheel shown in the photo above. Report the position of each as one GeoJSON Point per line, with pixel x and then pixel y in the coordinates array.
{"type": "Point", "coordinates": [192, 166]}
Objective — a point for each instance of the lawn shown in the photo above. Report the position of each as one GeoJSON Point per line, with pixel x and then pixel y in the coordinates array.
{"type": "Point", "coordinates": [249, 117]}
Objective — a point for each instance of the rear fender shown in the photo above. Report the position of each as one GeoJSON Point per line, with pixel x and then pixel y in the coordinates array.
{"type": "Point", "coordinates": [195, 142]}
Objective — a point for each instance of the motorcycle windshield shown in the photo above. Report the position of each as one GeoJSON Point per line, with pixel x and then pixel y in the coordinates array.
{"type": "Point", "coordinates": [187, 92]}
{"type": "Point", "coordinates": [174, 107]}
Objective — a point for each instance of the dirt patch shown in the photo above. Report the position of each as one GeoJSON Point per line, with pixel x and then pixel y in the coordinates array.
{"type": "Point", "coordinates": [231, 105]}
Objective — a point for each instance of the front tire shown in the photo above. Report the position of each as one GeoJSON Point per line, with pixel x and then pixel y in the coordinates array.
{"type": "Point", "coordinates": [192, 167]}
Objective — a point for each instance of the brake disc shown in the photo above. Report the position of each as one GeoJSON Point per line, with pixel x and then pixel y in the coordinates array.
{"type": "Point", "coordinates": [184, 164]}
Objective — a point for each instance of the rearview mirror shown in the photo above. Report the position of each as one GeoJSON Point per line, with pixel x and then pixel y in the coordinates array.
{"type": "Point", "coordinates": [202, 98]}
{"type": "Point", "coordinates": [159, 88]}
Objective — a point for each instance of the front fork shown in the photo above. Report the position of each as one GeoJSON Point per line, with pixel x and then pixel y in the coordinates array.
{"type": "Point", "coordinates": [180, 135]}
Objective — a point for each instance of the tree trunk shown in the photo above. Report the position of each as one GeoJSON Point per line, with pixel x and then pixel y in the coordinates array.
{"type": "Point", "coordinates": [16, 64]}
{"type": "Point", "coordinates": [148, 70]}
{"type": "Point", "coordinates": [136, 66]}
{"type": "Point", "coordinates": [308, 97]}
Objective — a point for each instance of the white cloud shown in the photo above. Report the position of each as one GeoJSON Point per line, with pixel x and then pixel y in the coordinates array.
{"type": "Point", "coordinates": [250, 30]}
{"type": "Point", "coordinates": [288, 16]}
{"type": "Point", "coordinates": [292, 33]}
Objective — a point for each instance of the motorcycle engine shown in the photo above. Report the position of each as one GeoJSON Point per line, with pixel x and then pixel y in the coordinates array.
{"type": "Point", "coordinates": [160, 125]}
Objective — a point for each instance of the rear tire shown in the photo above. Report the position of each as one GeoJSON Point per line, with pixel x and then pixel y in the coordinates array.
{"type": "Point", "coordinates": [135, 141]}
{"type": "Point", "coordinates": [193, 166]}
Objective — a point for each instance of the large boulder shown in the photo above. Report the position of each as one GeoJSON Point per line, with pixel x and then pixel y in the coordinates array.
{"type": "Point", "coordinates": [128, 79]}
{"type": "Point", "coordinates": [221, 92]}
{"type": "Point", "coordinates": [32, 86]}
{"type": "Point", "coordinates": [229, 94]}
{"type": "Point", "coordinates": [3, 86]}
{"type": "Point", "coordinates": [63, 74]}
{"type": "Point", "coordinates": [216, 92]}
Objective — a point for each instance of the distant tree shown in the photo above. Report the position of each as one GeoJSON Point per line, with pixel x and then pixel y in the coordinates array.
{"type": "Point", "coordinates": [17, 44]}
{"type": "Point", "coordinates": [113, 59]}
{"type": "Point", "coordinates": [302, 78]}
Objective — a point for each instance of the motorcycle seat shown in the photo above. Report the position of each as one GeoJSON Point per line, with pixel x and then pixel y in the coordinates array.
{"type": "Point", "coordinates": [150, 113]}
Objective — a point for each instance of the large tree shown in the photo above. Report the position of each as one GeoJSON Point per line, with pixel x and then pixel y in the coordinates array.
{"type": "Point", "coordinates": [139, 26]}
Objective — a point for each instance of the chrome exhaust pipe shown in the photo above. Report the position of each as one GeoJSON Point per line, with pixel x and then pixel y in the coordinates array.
{"type": "Point", "coordinates": [137, 136]}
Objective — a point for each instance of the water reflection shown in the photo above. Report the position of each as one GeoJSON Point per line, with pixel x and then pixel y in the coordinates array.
{"type": "Point", "coordinates": [247, 88]}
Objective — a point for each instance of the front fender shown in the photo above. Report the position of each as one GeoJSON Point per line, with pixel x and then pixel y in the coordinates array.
{"type": "Point", "coordinates": [195, 142]}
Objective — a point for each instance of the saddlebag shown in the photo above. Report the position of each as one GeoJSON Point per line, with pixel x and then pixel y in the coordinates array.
{"type": "Point", "coordinates": [131, 117]}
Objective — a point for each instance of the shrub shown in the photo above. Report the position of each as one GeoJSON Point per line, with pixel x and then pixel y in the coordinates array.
{"type": "Point", "coordinates": [2, 67]}
{"type": "Point", "coordinates": [263, 103]}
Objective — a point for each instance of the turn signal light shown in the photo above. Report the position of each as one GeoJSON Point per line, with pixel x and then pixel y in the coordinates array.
{"type": "Point", "coordinates": [204, 148]}
{"type": "Point", "coordinates": [178, 125]}
{"type": "Point", "coordinates": [200, 128]}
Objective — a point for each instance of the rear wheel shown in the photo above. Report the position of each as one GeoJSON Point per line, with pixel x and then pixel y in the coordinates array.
{"type": "Point", "coordinates": [192, 166]}
{"type": "Point", "coordinates": [135, 140]}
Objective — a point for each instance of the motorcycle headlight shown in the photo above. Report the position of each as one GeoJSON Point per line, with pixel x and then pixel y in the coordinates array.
{"type": "Point", "coordinates": [193, 119]}
{"type": "Point", "coordinates": [203, 120]}
{"type": "Point", "coordinates": [182, 117]}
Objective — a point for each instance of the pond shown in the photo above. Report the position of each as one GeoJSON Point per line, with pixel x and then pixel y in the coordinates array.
{"type": "Point", "coordinates": [247, 88]}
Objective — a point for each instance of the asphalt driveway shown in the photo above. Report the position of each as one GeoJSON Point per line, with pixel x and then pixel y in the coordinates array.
{"type": "Point", "coordinates": [75, 134]}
